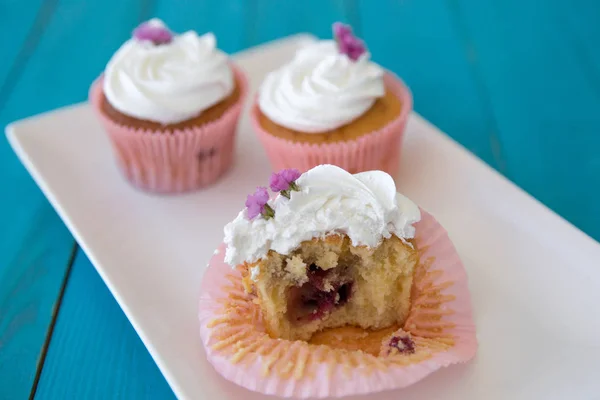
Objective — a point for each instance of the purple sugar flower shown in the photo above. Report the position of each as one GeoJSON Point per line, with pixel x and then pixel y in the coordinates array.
{"type": "Point", "coordinates": [348, 44]}
{"type": "Point", "coordinates": [277, 183]}
{"type": "Point", "coordinates": [284, 181]}
{"type": "Point", "coordinates": [153, 31]}
{"type": "Point", "coordinates": [257, 204]}
{"type": "Point", "coordinates": [341, 30]}
{"type": "Point", "coordinates": [290, 174]}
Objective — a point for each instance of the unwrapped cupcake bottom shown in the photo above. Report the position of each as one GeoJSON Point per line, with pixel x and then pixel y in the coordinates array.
{"type": "Point", "coordinates": [378, 150]}
{"type": "Point", "coordinates": [178, 161]}
{"type": "Point", "coordinates": [439, 331]}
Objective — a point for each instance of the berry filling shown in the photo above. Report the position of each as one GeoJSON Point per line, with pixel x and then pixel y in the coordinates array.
{"type": "Point", "coordinates": [204, 155]}
{"type": "Point", "coordinates": [325, 291]}
{"type": "Point", "coordinates": [404, 344]}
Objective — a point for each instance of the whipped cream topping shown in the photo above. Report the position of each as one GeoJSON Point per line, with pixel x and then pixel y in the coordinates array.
{"type": "Point", "coordinates": [321, 89]}
{"type": "Point", "coordinates": [168, 83]}
{"type": "Point", "coordinates": [364, 206]}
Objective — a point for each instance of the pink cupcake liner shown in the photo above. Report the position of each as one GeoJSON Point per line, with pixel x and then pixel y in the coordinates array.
{"type": "Point", "coordinates": [440, 323]}
{"type": "Point", "coordinates": [178, 161]}
{"type": "Point", "coordinates": [378, 150]}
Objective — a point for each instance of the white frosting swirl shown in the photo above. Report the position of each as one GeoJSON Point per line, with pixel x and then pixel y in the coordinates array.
{"type": "Point", "coordinates": [321, 89]}
{"type": "Point", "coordinates": [168, 83]}
{"type": "Point", "coordinates": [365, 206]}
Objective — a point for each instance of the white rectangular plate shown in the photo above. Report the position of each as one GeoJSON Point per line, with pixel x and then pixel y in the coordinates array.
{"type": "Point", "coordinates": [535, 279]}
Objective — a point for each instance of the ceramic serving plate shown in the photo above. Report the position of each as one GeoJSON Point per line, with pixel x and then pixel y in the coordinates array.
{"type": "Point", "coordinates": [534, 278]}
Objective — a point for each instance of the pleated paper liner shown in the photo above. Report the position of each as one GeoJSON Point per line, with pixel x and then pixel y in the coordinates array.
{"type": "Point", "coordinates": [178, 161]}
{"type": "Point", "coordinates": [378, 150]}
{"type": "Point", "coordinates": [439, 331]}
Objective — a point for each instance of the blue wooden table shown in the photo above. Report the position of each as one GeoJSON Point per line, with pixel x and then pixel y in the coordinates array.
{"type": "Point", "coordinates": [516, 82]}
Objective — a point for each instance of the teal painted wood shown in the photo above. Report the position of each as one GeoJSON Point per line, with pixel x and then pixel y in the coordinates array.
{"type": "Point", "coordinates": [30, 282]}
{"type": "Point", "coordinates": [77, 42]}
{"type": "Point", "coordinates": [228, 20]}
{"type": "Point", "coordinates": [419, 41]}
{"type": "Point", "coordinates": [540, 68]}
{"type": "Point", "coordinates": [54, 46]}
{"type": "Point", "coordinates": [95, 354]}
{"type": "Point", "coordinates": [35, 246]}
{"type": "Point", "coordinates": [505, 79]}
{"type": "Point", "coordinates": [274, 19]}
{"type": "Point", "coordinates": [22, 25]}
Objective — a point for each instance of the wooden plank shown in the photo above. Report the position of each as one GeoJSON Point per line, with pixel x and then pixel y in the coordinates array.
{"type": "Point", "coordinates": [269, 20]}
{"type": "Point", "coordinates": [541, 69]}
{"type": "Point", "coordinates": [75, 46]}
{"type": "Point", "coordinates": [20, 24]}
{"type": "Point", "coordinates": [226, 19]}
{"type": "Point", "coordinates": [94, 352]}
{"type": "Point", "coordinates": [35, 246]}
{"type": "Point", "coordinates": [29, 285]}
{"type": "Point", "coordinates": [419, 41]}
{"type": "Point", "coordinates": [53, 68]}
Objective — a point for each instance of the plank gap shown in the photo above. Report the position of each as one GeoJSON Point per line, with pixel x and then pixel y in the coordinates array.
{"type": "Point", "coordinates": [55, 311]}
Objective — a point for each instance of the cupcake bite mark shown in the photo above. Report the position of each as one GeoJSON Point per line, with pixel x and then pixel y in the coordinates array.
{"type": "Point", "coordinates": [325, 291]}
{"type": "Point", "coordinates": [317, 254]}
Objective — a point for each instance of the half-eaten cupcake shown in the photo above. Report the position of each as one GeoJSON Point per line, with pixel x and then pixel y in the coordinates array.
{"type": "Point", "coordinates": [331, 249]}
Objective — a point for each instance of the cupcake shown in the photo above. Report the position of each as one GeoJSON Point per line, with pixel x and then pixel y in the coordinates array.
{"type": "Point", "coordinates": [313, 267]}
{"type": "Point", "coordinates": [332, 105]}
{"type": "Point", "coordinates": [340, 286]}
{"type": "Point", "coordinates": [170, 105]}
